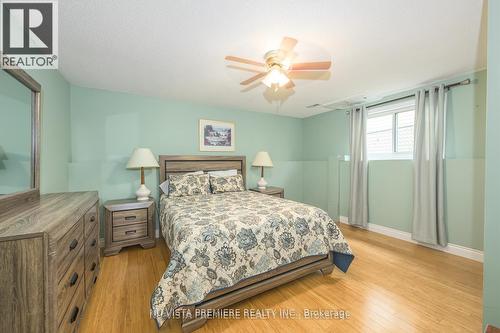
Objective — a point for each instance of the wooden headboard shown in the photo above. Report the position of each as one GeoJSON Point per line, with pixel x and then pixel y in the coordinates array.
{"type": "Point", "coordinates": [179, 164]}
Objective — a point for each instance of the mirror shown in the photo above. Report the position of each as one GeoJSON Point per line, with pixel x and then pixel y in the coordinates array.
{"type": "Point", "coordinates": [19, 137]}
{"type": "Point", "coordinates": [15, 136]}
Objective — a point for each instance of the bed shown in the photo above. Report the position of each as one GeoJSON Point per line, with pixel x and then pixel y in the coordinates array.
{"type": "Point", "coordinates": [230, 246]}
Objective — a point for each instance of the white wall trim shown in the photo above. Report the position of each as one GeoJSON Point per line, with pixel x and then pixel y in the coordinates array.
{"type": "Point", "coordinates": [455, 249]}
{"type": "Point", "coordinates": [344, 219]}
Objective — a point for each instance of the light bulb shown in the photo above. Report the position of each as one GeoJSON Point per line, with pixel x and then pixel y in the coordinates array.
{"type": "Point", "coordinates": [276, 77]}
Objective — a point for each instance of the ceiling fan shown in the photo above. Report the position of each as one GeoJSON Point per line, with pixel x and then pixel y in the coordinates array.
{"type": "Point", "coordinates": [277, 70]}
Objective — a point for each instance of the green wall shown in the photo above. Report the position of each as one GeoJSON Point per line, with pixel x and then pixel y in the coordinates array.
{"type": "Point", "coordinates": [55, 131]}
{"type": "Point", "coordinates": [106, 126]}
{"type": "Point", "coordinates": [491, 312]}
{"type": "Point", "coordinates": [89, 134]}
{"type": "Point", "coordinates": [390, 187]}
{"type": "Point", "coordinates": [15, 135]}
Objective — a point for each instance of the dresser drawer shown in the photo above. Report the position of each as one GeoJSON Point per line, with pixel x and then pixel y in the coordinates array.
{"type": "Point", "coordinates": [127, 217]}
{"type": "Point", "coordinates": [130, 232]}
{"type": "Point", "coordinates": [90, 220]}
{"type": "Point", "coordinates": [72, 316]}
{"type": "Point", "coordinates": [92, 241]}
{"type": "Point", "coordinates": [91, 273]}
{"type": "Point", "coordinates": [91, 261]}
{"type": "Point", "coordinates": [68, 284]}
{"type": "Point", "coordinates": [68, 247]}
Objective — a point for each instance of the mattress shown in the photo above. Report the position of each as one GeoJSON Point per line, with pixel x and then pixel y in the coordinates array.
{"type": "Point", "coordinates": [219, 240]}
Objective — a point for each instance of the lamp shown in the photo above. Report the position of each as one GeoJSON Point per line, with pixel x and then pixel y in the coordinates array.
{"type": "Point", "coordinates": [262, 159]}
{"type": "Point", "coordinates": [142, 158]}
{"type": "Point", "coordinates": [276, 76]}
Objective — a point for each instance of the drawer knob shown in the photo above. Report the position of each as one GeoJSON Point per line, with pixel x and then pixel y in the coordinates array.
{"type": "Point", "coordinates": [131, 217]}
{"type": "Point", "coordinates": [73, 279]}
{"type": "Point", "coordinates": [129, 232]}
{"type": "Point", "coordinates": [74, 314]}
{"type": "Point", "coordinates": [93, 266]}
{"type": "Point", "coordinates": [73, 244]}
{"type": "Point", "coordinates": [94, 242]}
{"type": "Point", "coordinates": [92, 218]}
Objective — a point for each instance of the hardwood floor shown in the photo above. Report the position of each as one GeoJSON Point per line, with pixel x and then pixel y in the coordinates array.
{"type": "Point", "coordinates": [392, 286]}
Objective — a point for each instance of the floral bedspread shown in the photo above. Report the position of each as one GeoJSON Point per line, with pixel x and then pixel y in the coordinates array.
{"type": "Point", "coordinates": [218, 240]}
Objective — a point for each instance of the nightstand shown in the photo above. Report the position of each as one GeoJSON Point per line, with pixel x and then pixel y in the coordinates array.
{"type": "Point", "coordinates": [271, 190]}
{"type": "Point", "coordinates": [128, 222]}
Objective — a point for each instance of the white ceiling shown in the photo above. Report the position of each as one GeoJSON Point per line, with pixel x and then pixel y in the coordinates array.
{"type": "Point", "coordinates": [175, 49]}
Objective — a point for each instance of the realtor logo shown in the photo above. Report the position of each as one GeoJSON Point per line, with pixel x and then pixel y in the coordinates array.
{"type": "Point", "coordinates": [28, 34]}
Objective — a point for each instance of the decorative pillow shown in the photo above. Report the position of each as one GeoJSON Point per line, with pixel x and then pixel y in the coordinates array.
{"type": "Point", "coordinates": [227, 184]}
{"type": "Point", "coordinates": [185, 185]}
{"type": "Point", "coordinates": [164, 185]}
{"type": "Point", "coordinates": [231, 172]}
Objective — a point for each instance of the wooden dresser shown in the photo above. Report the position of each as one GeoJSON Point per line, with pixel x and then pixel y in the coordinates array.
{"type": "Point", "coordinates": [49, 262]}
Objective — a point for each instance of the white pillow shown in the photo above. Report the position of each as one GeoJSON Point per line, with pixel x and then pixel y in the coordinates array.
{"type": "Point", "coordinates": [164, 185]}
{"type": "Point", "coordinates": [223, 173]}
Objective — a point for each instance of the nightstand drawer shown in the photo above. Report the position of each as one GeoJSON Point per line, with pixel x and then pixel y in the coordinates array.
{"type": "Point", "coordinates": [127, 217]}
{"type": "Point", "coordinates": [130, 232]}
{"type": "Point", "coordinates": [273, 191]}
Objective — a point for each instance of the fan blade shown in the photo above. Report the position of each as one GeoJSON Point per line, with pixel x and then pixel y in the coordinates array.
{"type": "Point", "coordinates": [245, 61]}
{"type": "Point", "coordinates": [310, 75]}
{"type": "Point", "coordinates": [310, 66]}
{"type": "Point", "coordinates": [290, 85]}
{"type": "Point", "coordinates": [250, 87]}
{"type": "Point", "coordinates": [287, 44]}
{"type": "Point", "coordinates": [253, 78]}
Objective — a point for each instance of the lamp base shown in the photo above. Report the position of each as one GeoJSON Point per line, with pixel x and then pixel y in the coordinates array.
{"type": "Point", "coordinates": [261, 184]}
{"type": "Point", "coordinates": [143, 193]}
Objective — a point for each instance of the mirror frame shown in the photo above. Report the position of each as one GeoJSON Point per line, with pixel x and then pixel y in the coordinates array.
{"type": "Point", "coordinates": [9, 200]}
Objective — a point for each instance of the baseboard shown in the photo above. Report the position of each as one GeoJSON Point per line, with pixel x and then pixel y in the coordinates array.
{"type": "Point", "coordinates": [455, 249]}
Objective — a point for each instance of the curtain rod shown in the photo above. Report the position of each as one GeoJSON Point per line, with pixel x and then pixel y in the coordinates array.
{"type": "Point", "coordinates": [449, 86]}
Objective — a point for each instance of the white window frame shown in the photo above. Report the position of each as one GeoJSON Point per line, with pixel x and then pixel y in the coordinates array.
{"type": "Point", "coordinates": [392, 109]}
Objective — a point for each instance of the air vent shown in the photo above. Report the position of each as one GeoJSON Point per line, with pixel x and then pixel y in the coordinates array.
{"type": "Point", "coordinates": [313, 106]}
{"type": "Point", "coordinates": [346, 103]}
{"type": "Point", "coordinates": [343, 104]}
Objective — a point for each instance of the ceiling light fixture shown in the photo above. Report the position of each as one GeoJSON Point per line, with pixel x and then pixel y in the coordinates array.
{"type": "Point", "coordinates": [276, 77]}
{"type": "Point", "coordinates": [278, 71]}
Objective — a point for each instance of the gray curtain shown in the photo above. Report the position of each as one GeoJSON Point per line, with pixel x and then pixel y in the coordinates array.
{"type": "Point", "coordinates": [428, 183]}
{"type": "Point", "coordinates": [358, 201]}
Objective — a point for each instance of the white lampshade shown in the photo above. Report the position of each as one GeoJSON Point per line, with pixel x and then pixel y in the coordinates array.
{"type": "Point", "coordinates": [262, 159]}
{"type": "Point", "coordinates": [142, 158]}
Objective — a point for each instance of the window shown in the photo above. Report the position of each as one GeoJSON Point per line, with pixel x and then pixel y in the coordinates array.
{"type": "Point", "coordinates": [389, 130]}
